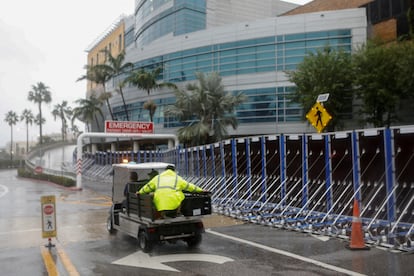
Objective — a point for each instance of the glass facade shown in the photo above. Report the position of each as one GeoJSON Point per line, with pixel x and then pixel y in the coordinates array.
{"type": "Point", "coordinates": [129, 37]}
{"type": "Point", "coordinates": [249, 57]}
{"type": "Point", "coordinates": [155, 18]}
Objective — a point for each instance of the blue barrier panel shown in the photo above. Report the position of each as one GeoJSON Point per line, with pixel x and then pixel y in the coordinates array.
{"type": "Point", "coordinates": [272, 167]}
{"type": "Point", "coordinates": [372, 173]}
{"type": "Point", "coordinates": [213, 161]}
{"type": "Point", "coordinates": [197, 161]}
{"type": "Point", "coordinates": [404, 164]}
{"type": "Point", "coordinates": [389, 173]}
{"type": "Point", "coordinates": [317, 172]}
{"type": "Point", "coordinates": [234, 162]}
{"type": "Point", "coordinates": [305, 175]}
{"type": "Point", "coordinates": [222, 164]}
{"type": "Point", "coordinates": [204, 154]}
{"type": "Point", "coordinates": [248, 166]}
{"type": "Point", "coordinates": [293, 185]}
{"type": "Point", "coordinates": [282, 150]}
{"type": "Point", "coordinates": [186, 169]}
{"type": "Point", "coordinates": [328, 171]}
{"type": "Point", "coordinates": [263, 170]}
{"type": "Point", "coordinates": [356, 176]}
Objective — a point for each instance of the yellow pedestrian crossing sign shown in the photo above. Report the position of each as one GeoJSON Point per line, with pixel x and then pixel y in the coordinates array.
{"type": "Point", "coordinates": [318, 117]}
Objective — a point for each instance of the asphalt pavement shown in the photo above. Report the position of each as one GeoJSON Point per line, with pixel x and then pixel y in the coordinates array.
{"type": "Point", "coordinates": [229, 247]}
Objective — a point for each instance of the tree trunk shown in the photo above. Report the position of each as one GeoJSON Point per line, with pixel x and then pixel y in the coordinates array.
{"type": "Point", "coordinates": [107, 103]}
{"type": "Point", "coordinates": [123, 100]}
{"type": "Point", "coordinates": [40, 124]}
{"type": "Point", "coordinates": [11, 145]}
{"type": "Point", "coordinates": [27, 138]}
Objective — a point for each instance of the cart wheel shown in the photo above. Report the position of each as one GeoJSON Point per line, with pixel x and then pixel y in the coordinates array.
{"type": "Point", "coordinates": [144, 243]}
{"type": "Point", "coordinates": [110, 225]}
{"type": "Point", "coordinates": [194, 241]}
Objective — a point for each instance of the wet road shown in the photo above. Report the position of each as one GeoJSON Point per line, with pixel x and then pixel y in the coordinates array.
{"type": "Point", "coordinates": [229, 247]}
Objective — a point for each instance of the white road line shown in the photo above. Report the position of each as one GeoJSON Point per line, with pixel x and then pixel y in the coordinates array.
{"type": "Point", "coordinates": [3, 190]}
{"type": "Point", "coordinates": [21, 231]}
{"type": "Point", "coordinates": [288, 254]}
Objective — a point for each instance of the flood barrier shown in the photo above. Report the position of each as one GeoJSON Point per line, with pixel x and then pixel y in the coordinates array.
{"type": "Point", "coordinates": [306, 182]}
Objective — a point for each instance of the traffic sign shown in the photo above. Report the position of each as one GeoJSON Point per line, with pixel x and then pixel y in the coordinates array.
{"type": "Point", "coordinates": [38, 170]}
{"type": "Point", "coordinates": [322, 97]}
{"type": "Point", "coordinates": [318, 117]}
{"type": "Point", "coordinates": [48, 216]}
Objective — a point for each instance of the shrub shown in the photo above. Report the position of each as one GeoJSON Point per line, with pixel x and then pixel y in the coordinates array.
{"type": "Point", "coordinates": [60, 180]}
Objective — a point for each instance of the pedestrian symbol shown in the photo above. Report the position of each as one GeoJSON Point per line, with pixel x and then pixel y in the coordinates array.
{"type": "Point", "coordinates": [318, 116]}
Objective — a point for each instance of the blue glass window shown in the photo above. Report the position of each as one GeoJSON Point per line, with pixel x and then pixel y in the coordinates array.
{"type": "Point", "coordinates": [267, 54]}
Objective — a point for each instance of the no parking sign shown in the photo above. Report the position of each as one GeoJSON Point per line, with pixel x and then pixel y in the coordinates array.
{"type": "Point", "coordinates": [48, 216]}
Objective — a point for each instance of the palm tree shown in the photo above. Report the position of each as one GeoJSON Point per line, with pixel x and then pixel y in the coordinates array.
{"type": "Point", "coordinates": [39, 120]}
{"type": "Point", "coordinates": [205, 109]}
{"type": "Point", "coordinates": [151, 107]}
{"type": "Point", "coordinates": [115, 66]}
{"type": "Point", "coordinates": [100, 75]}
{"type": "Point", "coordinates": [11, 119]}
{"type": "Point", "coordinates": [148, 81]}
{"type": "Point", "coordinates": [28, 118]}
{"type": "Point", "coordinates": [62, 111]}
{"type": "Point", "coordinates": [40, 94]}
{"type": "Point", "coordinates": [75, 130]}
{"type": "Point", "coordinates": [87, 111]}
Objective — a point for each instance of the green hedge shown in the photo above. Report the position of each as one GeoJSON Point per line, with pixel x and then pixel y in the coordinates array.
{"type": "Point", "coordinates": [61, 180]}
{"type": "Point", "coordinates": [7, 164]}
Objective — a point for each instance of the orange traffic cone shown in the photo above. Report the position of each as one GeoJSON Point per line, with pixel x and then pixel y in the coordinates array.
{"type": "Point", "coordinates": [357, 235]}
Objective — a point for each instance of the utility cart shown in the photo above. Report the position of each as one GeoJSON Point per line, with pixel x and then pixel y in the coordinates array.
{"type": "Point", "coordinates": [136, 215]}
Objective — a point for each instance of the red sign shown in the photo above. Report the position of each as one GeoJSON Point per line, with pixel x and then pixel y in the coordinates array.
{"type": "Point", "coordinates": [128, 127]}
{"type": "Point", "coordinates": [38, 170]}
{"type": "Point", "coordinates": [48, 209]}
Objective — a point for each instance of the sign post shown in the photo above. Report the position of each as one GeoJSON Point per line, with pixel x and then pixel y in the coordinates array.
{"type": "Point", "coordinates": [48, 208]}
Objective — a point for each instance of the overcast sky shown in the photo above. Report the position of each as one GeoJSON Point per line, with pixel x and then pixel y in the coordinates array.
{"type": "Point", "coordinates": [45, 41]}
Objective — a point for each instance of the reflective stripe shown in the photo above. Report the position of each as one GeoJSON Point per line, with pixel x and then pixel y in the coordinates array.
{"type": "Point", "coordinates": [167, 187]}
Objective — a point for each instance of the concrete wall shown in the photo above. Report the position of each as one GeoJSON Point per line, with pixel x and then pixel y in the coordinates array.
{"type": "Point", "coordinates": [328, 5]}
{"type": "Point", "coordinates": [222, 12]}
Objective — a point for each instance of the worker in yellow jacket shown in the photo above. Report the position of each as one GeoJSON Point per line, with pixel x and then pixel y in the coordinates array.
{"type": "Point", "coordinates": [167, 188]}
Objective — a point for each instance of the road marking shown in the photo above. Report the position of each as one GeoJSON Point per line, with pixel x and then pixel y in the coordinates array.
{"type": "Point", "coordinates": [70, 268]}
{"type": "Point", "coordinates": [95, 201]}
{"type": "Point", "coordinates": [141, 259]}
{"type": "Point", "coordinates": [49, 263]}
{"type": "Point", "coordinates": [3, 190]}
{"type": "Point", "coordinates": [286, 253]}
{"type": "Point", "coordinates": [21, 231]}
{"type": "Point", "coordinates": [319, 237]}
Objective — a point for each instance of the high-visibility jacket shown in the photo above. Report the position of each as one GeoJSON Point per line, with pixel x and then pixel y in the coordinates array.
{"type": "Point", "coordinates": [167, 188]}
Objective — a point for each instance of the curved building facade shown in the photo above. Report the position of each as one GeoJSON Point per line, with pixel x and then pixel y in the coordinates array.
{"type": "Point", "coordinates": [247, 43]}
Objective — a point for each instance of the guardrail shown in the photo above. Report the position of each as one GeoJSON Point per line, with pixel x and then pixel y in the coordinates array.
{"type": "Point", "coordinates": [67, 174]}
